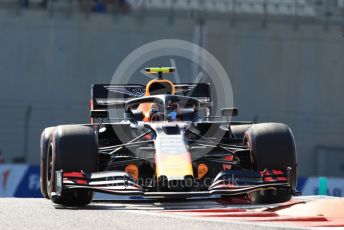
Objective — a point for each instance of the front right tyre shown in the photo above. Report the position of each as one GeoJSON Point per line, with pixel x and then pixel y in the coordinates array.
{"type": "Point", "coordinates": [72, 148]}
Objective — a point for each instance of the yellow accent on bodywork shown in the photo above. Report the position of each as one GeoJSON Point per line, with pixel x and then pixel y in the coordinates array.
{"type": "Point", "coordinates": [154, 70]}
{"type": "Point", "coordinates": [174, 166]}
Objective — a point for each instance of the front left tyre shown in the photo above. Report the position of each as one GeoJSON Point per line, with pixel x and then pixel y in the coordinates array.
{"type": "Point", "coordinates": [272, 146]}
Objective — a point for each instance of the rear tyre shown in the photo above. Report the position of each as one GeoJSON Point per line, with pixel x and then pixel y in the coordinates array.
{"type": "Point", "coordinates": [44, 147]}
{"type": "Point", "coordinates": [72, 148]}
{"type": "Point", "coordinates": [272, 146]}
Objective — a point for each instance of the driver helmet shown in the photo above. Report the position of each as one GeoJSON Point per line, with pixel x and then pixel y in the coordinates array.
{"type": "Point", "coordinates": [154, 114]}
{"type": "Point", "coordinates": [172, 108]}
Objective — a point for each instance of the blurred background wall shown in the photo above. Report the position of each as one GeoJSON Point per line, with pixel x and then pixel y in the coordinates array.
{"type": "Point", "coordinates": [284, 58]}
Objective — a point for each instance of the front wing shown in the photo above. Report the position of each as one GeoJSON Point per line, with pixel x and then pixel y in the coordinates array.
{"type": "Point", "coordinates": [121, 183]}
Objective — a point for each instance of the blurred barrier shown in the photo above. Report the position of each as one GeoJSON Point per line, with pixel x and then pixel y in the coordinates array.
{"type": "Point", "coordinates": [331, 186]}
{"type": "Point", "coordinates": [19, 180]}
{"type": "Point", "coordinates": [322, 11]}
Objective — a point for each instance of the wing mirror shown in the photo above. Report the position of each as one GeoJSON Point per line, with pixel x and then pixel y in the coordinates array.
{"type": "Point", "coordinates": [229, 112]}
{"type": "Point", "coordinates": [99, 113]}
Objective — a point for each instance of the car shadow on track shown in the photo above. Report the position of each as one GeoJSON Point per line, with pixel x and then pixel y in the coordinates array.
{"type": "Point", "coordinates": [171, 204]}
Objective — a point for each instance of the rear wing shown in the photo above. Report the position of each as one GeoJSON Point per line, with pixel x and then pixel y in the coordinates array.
{"type": "Point", "coordinates": [104, 96]}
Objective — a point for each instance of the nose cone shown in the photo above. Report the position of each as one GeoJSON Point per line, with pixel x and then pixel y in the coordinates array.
{"type": "Point", "coordinates": [174, 167]}
{"type": "Point", "coordinates": [173, 161]}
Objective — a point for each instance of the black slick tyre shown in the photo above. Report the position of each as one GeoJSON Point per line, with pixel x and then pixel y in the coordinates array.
{"type": "Point", "coordinates": [44, 147]}
{"type": "Point", "coordinates": [272, 146]}
{"type": "Point", "coordinates": [73, 148]}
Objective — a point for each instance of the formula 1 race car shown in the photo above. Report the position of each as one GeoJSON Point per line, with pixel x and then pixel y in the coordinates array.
{"type": "Point", "coordinates": [167, 146]}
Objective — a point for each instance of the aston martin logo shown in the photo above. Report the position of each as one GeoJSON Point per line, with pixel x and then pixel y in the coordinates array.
{"type": "Point", "coordinates": [133, 91]}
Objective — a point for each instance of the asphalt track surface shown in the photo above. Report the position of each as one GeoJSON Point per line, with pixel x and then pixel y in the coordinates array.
{"type": "Point", "coordinates": [37, 213]}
